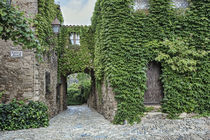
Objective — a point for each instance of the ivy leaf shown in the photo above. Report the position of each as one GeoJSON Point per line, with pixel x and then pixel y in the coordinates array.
{"type": "Point", "coordinates": [1, 29]}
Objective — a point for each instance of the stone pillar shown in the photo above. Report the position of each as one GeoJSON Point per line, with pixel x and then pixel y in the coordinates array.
{"type": "Point", "coordinates": [63, 93]}
{"type": "Point", "coordinates": [92, 98]}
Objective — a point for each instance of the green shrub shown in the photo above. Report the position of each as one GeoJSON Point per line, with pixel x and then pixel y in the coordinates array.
{"type": "Point", "coordinates": [17, 115]}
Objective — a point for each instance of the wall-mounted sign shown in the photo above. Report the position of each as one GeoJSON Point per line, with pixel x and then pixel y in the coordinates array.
{"type": "Point", "coordinates": [16, 54]}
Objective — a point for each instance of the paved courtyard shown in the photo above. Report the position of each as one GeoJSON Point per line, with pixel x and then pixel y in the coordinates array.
{"type": "Point", "coordinates": [83, 123]}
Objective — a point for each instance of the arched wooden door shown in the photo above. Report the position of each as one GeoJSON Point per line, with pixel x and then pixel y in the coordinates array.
{"type": "Point", "coordinates": [154, 92]}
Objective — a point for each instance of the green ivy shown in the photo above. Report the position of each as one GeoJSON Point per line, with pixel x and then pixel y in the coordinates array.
{"type": "Point", "coordinates": [78, 92]}
{"type": "Point", "coordinates": [17, 115]}
{"type": "Point", "coordinates": [177, 54]}
{"type": "Point", "coordinates": [75, 58]}
{"type": "Point", "coordinates": [14, 26]}
{"type": "Point", "coordinates": [127, 40]}
{"type": "Point", "coordinates": [1, 94]}
{"type": "Point", "coordinates": [47, 12]}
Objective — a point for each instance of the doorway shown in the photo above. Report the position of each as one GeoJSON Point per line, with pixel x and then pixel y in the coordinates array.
{"type": "Point", "coordinates": [154, 92]}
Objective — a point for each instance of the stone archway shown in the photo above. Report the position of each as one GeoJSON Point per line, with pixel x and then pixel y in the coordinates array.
{"type": "Point", "coordinates": [62, 88]}
{"type": "Point", "coordinates": [154, 92]}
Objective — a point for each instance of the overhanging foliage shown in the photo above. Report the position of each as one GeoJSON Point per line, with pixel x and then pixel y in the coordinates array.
{"type": "Point", "coordinates": [14, 26]}
{"type": "Point", "coordinates": [75, 58]}
{"type": "Point", "coordinates": [47, 12]}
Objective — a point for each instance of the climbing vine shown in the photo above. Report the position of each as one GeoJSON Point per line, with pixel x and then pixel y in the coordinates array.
{"type": "Point", "coordinates": [47, 12]}
{"type": "Point", "coordinates": [71, 58]}
{"type": "Point", "coordinates": [127, 40]}
{"type": "Point", "coordinates": [14, 26]}
{"type": "Point", "coordinates": [75, 58]}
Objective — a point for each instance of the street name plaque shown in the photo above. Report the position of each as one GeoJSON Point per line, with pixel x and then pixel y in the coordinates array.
{"type": "Point", "coordinates": [16, 54]}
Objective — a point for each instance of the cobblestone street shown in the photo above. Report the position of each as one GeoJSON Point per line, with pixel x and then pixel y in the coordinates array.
{"type": "Point", "coordinates": [81, 122]}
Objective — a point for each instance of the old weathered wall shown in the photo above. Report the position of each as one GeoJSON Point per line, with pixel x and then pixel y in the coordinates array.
{"type": "Point", "coordinates": [41, 93]}
{"type": "Point", "coordinates": [24, 77]}
{"type": "Point", "coordinates": [16, 74]}
{"type": "Point", "coordinates": [30, 7]}
{"type": "Point", "coordinates": [103, 100]}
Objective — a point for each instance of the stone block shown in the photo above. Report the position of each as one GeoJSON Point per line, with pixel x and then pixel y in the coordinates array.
{"type": "Point", "coordinates": [28, 95]}
{"type": "Point", "coordinates": [183, 115]}
{"type": "Point", "coordinates": [36, 98]}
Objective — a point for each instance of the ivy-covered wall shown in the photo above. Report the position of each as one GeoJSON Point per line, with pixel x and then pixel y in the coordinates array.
{"type": "Point", "coordinates": [16, 27]}
{"type": "Point", "coordinates": [24, 77]}
{"type": "Point", "coordinates": [75, 58]}
{"type": "Point", "coordinates": [127, 40]}
{"type": "Point", "coordinates": [47, 12]}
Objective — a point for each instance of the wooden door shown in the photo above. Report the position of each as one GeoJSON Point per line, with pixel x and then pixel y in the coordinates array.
{"type": "Point", "coordinates": [154, 92]}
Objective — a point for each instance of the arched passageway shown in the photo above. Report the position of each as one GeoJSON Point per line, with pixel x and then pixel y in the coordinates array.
{"type": "Point", "coordinates": [78, 88]}
{"type": "Point", "coordinates": [65, 94]}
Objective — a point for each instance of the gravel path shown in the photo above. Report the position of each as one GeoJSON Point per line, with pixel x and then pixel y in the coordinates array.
{"type": "Point", "coordinates": [82, 123]}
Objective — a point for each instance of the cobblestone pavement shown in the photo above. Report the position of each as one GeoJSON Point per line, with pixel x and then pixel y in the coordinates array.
{"type": "Point", "coordinates": [82, 123]}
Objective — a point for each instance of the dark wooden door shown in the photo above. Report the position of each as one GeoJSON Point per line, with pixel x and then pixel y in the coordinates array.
{"type": "Point", "coordinates": [154, 92]}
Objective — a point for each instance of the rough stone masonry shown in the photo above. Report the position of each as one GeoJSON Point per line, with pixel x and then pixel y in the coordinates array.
{"type": "Point", "coordinates": [22, 76]}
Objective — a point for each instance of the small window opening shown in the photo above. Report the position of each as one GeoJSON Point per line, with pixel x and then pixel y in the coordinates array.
{"type": "Point", "coordinates": [47, 82]}
{"type": "Point", "coordinates": [58, 93]}
{"type": "Point", "coordinates": [141, 5]}
{"type": "Point", "coordinates": [180, 3]}
{"type": "Point", "coordinates": [75, 39]}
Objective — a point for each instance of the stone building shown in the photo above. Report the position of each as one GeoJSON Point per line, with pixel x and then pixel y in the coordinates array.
{"type": "Point", "coordinates": [103, 97]}
{"type": "Point", "coordinates": [22, 76]}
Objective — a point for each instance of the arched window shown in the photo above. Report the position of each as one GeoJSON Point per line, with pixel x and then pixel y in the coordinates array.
{"type": "Point", "coordinates": [180, 3]}
{"type": "Point", "coordinates": [75, 39]}
{"type": "Point", "coordinates": [141, 5]}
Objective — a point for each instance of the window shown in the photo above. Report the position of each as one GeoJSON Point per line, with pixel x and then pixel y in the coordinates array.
{"type": "Point", "coordinates": [56, 29]}
{"type": "Point", "coordinates": [75, 39]}
{"type": "Point", "coordinates": [141, 4]}
{"type": "Point", "coordinates": [180, 3]}
{"type": "Point", "coordinates": [58, 88]}
{"type": "Point", "coordinates": [47, 82]}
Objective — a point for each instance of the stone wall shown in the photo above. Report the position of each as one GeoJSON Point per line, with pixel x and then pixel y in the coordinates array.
{"type": "Point", "coordinates": [29, 7]}
{"type": "Point", "coordinates": [49, 97]}
{"type": "Point", "coordinates": [24, 78]}
{"type": "Point", "coordinates": [16, 74]}
{"type": "Point", "coordinates": [103, 100]}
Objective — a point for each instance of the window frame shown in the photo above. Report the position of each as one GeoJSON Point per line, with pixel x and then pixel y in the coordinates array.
{"type": "Point", "coordinates": [74, 38]}
{"type": "Point", "coordinates": [180, 4]}
{"type": "Point", "coordinates": [137, 6]}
